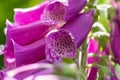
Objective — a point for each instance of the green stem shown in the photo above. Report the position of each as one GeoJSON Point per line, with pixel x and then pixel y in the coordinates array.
{"type": "Point", "coordinates": [84, 56]}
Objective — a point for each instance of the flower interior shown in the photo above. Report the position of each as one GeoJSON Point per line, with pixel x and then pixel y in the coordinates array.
{"type": "Point", "coordinates": [54, 12]}
{"type": "Point", "coordinates": [60, 44]}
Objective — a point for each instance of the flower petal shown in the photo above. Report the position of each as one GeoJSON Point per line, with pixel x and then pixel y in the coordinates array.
{"type": "Point", "coordinates": [29, 15]}
{"type": "Point", "coordinates": [93, 73]}
{"type": "Point", "coordinates": [115, 40]}
{"type": "Point", "coordinates": [29, 53]}
{"type": "Point", "coordinates": [80, 26]}
{"type": "Point", "coordinates": [93, 59]}
{"type": "Point", "coordinates": [9, 58]}
{"type": "Point", "coordinates": [27, 34]}
{"type": "Point", "coordinates": [93, 46]}
{"type": "Point", "coordinates": [24, 35]}
{"type": "Point", "coordinates": [1, 75]}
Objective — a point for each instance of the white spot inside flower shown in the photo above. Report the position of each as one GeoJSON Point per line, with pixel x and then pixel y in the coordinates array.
{"type": "Point", "coordinates": [10, 60]}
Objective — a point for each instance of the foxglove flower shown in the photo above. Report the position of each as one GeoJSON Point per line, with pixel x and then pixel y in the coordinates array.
{"type": "Point", "coordinates": [22, 52]}
{"type": "Point", "coordinates": [24, 35]}
{"type": "Point", "coordinates": [62, 10]}
{"type": "Point", "coordinates": [25, 42]}
{"type": "Point", "coordinates": [115, 32]}
{"type": "Point", "coordinates": [64, 42]}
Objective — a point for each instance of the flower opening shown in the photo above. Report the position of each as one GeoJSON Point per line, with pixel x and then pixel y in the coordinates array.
{"type": "Point", "coordinates": [60, 44]}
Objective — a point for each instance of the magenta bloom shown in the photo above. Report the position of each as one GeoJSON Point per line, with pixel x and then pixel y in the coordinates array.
{"type": "Point", "coordinates": [115, 38]}
{"type": "Point", "coordinates": [93, 48]}
{"type": "Point", "coordinates": [64, 42]}
{"type": "Point", "coordinates": [93, 73]}
{"type": "Point", "coordinates": [26, 40]}
{"type": "Point", "coordinates": [62, 10]}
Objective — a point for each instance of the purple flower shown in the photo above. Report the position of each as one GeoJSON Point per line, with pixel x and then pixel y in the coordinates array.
{"type": "Point", "coordinates": [29, 40]}
{"type": "Point", "coordinates": [49, 11]}
{"type": "Point", "coordinates": [26, 40]}
{"type": "Point", "coordinates": [62, 10]}
{"type": "Point", "coordinates": [115, 38]}
{"type": "Point", "coordinates": [21, 44]}
{"type": "Point", "coordinates": [93, 47]}
{"type": "Point", "coordinates": [64, 42]}
{"type": "Point", "coordinates": [93, 73]}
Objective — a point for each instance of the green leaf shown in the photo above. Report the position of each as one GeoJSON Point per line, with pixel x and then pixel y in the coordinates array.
{"type": "Point", "coordinates": [92, 2]}
{"type": "Point", "coordinates": [103, 1]}
{"type": "Point", "coordinates": [101, 74]}
{"type": "Point", "coordinates": [67, 60]}
{"type": "Point", "coordinates": [105, 69]}
{"type": "Point", "coordinates": [104, 60]}
{"type": "Point", "coordinates": [65, 70]}
{"type": "Point", "coordinates": [1, 61]}
{"type": "Point", "coordinates": [117, 69]}
{"type": "Point", "coordinates": [103, 41]}
{"type": "Point", "coordinates": [104, 21]}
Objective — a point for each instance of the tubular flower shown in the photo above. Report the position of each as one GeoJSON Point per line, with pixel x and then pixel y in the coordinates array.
{"type": "Point", "coordinates": [115, 32]}
{"type": "Point", "coordinates": [23, 47]}
{"type": "Point", "coordinates": [24, 36]}
{"type": "Point", "coordinates": [26, 40]}
{"type": "Point", "coordinates": [64, 42]}
{"type": "Point", "coordinates": [62, 10]}
{"type": "Point", "coordinates": [49, 11]}
{"type": "Point", "coordinates": [29, 41]}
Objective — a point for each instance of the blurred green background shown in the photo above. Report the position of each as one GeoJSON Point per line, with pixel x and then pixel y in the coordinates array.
{"type": "Point", "coordinates": [6, 12]}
